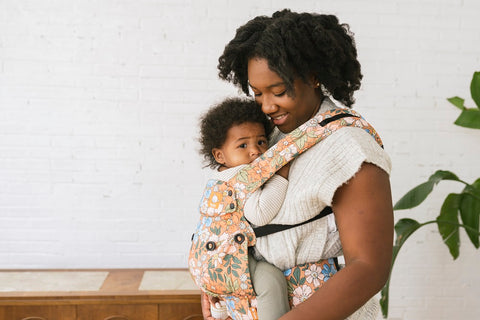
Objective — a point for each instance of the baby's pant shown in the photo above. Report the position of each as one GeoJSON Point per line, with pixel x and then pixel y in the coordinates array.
{"type": "Point", "coordinates": [271, 289]}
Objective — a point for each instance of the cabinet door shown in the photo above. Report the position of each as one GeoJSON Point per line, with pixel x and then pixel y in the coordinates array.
{"type": "Point", "coordinates": [117, 312]}
{"type": "Point", "coordinates": [37, 313]}
{"type": "Point", "coordinates": [183, 311]}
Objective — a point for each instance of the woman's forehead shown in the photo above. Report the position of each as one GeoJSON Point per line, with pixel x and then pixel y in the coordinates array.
{"type": "Point", "coordinates": [260, 74]}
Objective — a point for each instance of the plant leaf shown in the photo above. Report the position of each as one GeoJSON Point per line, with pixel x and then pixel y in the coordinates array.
{"type": "Point", "coordinates": [416, 196]}
{"type": "Point", "coordinates": [404, 228]}
{"type": "Point", "coordinates": [475, 88]}
{"type": "Point", "coordinates": [457, 102]}
{"type": "Point", "coordinates": [384, 297]}
{"type": "Point", "coordinates": [440, 175]}
{"type": "Point", "coordinates": [448, 223]}
{"type": "Point", "coordinates": [470, 211]}
{"type": "Point", "coordinates": [469, 118]}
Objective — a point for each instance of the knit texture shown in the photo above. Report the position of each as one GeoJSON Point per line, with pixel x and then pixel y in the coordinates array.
{"type": "Point", "coordinates": [263, 204]}
{"type": "Point", "coordinates": [313, 179]}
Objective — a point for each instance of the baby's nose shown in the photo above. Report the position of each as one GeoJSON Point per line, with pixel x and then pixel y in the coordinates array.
{"type": "Point", "coordinates": [255, 151]}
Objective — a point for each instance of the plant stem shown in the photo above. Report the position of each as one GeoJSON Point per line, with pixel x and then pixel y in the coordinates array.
{"type": "Point", "coordinates": [386, 288]}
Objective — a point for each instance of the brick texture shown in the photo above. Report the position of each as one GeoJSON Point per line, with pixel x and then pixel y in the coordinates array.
{"type": "Point", "coordinates": [99, 102]}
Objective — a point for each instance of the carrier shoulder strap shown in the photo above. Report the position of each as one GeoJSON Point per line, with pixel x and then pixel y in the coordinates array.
{"type": "Point", "coordinates": [254, 175]}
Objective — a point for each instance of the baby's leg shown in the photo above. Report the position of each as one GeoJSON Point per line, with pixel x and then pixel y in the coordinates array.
{"type": "Point", "coordinates": [271, 289]}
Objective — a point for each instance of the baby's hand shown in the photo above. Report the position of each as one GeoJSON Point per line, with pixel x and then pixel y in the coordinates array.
{"type": "Point", "coordinates": [207, 303]}
{"type": "Point", "coordinates": [219, 310]}
{"type": "Point", "coordinates": [284, 170]}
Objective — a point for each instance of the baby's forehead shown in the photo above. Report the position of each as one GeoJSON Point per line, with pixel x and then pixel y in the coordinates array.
{"type": "Point", "coordinates": [247, 129]}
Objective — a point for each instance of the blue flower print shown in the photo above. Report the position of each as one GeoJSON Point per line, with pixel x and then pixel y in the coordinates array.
{"type": "Point", "coordinates": [328, 272]}
{"type": "Point", "coordinates": [207, 221]}
{"type": "Point", "coordinates": [230, 303]}
{"type": "Point", "coordinates": [207, 193]}
{"type": "Point", "coordinates": [211, 183]}
{"type": "Point", "coordinates": [287, 272]}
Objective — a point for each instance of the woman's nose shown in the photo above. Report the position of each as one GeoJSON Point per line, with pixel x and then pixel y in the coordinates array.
{"type": "Point", "coordinates": [268, 106]}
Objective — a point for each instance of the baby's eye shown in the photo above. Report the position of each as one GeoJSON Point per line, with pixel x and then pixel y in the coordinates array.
{"type": "Point", "coordinates": [243, 145]}
{"type": "Point", "coordinates": [262, 142]}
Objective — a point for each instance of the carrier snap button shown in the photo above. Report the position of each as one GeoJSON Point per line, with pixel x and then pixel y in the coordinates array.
{"type": "Point", "coordinates": [239, 238]}
{"type": "Point", "coordinates": [210, 245]}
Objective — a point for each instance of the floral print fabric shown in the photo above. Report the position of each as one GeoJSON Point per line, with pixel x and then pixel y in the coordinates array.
{"type": "Point", "coordinates": [218, 259]}
{"type": "Point", "coordinates": [303, 280]}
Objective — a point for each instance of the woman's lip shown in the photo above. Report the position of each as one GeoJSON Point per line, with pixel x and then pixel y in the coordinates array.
{"type": "Point", "coordinates": [279, 120]}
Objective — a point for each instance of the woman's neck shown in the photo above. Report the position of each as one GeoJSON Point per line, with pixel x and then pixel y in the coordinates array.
{"type": "Point", "coordinates": [315, 111]}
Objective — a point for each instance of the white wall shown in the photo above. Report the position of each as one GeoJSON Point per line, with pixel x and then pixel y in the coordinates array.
{"type": "Point", "coordinates": [99, 102]}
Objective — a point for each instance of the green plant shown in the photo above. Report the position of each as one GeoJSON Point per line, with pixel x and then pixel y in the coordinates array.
{"type": "Point", "coordinates": [470, 117]}
{"type": "Point", "coordinates": [459, 210]}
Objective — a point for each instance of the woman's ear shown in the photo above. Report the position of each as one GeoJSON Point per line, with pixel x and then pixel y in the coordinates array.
{"type": "Point", "coordinates": [218, 155]}
{"type": "Point", "coordinates": [314, 81]}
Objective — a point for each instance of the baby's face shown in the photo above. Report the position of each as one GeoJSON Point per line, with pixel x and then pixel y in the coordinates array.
{"type": "Point", "coordinates": [244, 143]}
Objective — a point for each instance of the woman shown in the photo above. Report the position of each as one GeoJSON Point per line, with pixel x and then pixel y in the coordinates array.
{"type": "Point", "coordinates": [292, 63]}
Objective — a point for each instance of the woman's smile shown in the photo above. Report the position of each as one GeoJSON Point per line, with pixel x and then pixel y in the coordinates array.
{"type": "Point", "coordinates": [278, 120]}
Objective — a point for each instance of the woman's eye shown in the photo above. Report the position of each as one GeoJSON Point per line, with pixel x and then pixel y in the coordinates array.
{"type": "Point", "coordinates": [280, 94]}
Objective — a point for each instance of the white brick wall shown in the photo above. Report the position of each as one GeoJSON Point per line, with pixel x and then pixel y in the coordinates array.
{"type": "Point", "coordinates": [99, 103]}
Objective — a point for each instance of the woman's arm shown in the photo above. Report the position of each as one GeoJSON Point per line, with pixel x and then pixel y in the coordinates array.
{"type": "Point", "coordinates": [364, 216]}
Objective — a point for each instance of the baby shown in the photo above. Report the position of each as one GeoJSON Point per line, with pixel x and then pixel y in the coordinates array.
{"type": "Point", "coordinates": [232, 134]}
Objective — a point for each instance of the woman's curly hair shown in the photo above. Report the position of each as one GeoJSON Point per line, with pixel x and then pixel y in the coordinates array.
{"type": "Point", "coordinates": [216, 122]}
{"type": "Point", "coordinates": [296, 45]}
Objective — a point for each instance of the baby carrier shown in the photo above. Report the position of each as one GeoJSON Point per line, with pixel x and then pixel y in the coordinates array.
{"type": "Point", "coordinates": [218, 259]}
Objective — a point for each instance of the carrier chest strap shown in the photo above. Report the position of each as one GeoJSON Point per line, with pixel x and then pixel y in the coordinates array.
{"type": "Point", "coordinates": [273, 228]}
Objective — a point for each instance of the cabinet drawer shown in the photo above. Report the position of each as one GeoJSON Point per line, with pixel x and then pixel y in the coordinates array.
{"type": "Point", "coordinates": [117, 312]}
{"type": "Point", "coordinates": [37, 313]}
{"type": "Point", "coordinates": [183, 311]}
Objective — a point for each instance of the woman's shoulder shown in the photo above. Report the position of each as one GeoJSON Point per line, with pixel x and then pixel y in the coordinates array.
{"type": "Point", "coordinates": [353, 145]}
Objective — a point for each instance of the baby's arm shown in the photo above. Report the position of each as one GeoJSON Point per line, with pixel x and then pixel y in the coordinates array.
{"type": "Point", "coordinates": [264, 204]}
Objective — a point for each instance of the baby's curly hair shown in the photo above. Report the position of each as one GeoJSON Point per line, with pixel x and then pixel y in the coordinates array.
{"type": "Point", "coordinates": [216, 122]}
{"type": "Point", "coordinates": [296, 45]}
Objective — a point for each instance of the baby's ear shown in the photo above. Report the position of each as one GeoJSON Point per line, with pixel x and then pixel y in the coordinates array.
{"type": "Point", "coordinates": [218, 155]}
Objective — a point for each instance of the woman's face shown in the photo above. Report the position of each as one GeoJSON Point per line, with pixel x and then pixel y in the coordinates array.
{"type": "Point", "coordinates": [287, 113]}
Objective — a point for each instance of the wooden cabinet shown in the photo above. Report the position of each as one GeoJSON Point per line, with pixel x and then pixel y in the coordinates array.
{"type": "Point", "coordinates": [119, 298]}
{"type": "Point", "coordinates": [180, 311]}
{"type": "Point", "coordinates": [118, 312]}
{"type": "Point", "coordinates": [37, 312]}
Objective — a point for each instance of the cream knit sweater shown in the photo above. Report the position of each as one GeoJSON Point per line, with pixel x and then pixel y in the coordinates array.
{"type": "Point", "coordinates": [313, 179]}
